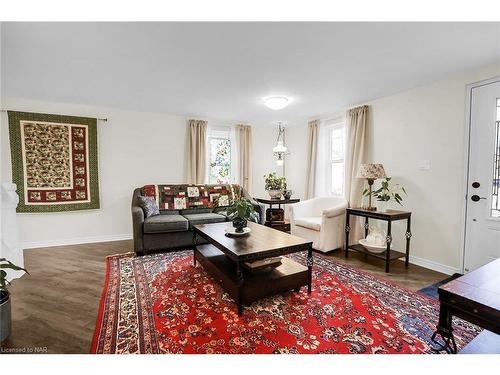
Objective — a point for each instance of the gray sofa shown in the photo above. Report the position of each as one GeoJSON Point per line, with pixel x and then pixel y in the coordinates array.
{"type": "Point", "coordinates": [173, 229]}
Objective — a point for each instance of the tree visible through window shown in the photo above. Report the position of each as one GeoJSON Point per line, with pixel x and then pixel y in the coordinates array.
{"type": "Point", "coordinates": [220, 158]}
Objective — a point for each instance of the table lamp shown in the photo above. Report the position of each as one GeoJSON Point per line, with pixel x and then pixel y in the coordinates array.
{"type": "Point", "coordinates": [371, 172]}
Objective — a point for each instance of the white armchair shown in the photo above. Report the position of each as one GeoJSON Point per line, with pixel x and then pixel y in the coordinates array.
{"type": "Point", "coordinates": [320, 220]}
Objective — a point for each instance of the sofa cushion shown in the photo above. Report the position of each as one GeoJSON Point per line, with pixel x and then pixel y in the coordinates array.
{"type": "Point", "coordinates": [169, 212]}
{"type": "Point", "coordinates": [165, 223]}
{"type": "Point", "coordinates": [312, 222]}
{"type": "Point", "coordinates": [191, 211]}
{"type": "Point", "coordinates": [206, 218]}
{"type": "Point", "coordinates": [148, 205]}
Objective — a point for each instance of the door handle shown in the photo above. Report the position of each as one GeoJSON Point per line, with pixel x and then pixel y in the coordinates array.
{"type": "Point", "coordinates": [476, 198]}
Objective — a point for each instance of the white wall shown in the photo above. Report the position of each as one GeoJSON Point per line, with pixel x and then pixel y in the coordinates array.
{"type": "Point", "coordinates": [263, 141]}
{"type": "Point", "coordinates": [428, 123]}
{"type": "Point", "coordinates": [296, 160]}
{"type": "Point", "coordinates": [135, 148]}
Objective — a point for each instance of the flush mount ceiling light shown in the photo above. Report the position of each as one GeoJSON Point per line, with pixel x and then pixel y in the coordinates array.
{"type": "Point", "coordinates": [276, 102]}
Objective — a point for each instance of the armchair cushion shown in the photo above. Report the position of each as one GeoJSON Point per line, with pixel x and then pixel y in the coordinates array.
{"type": "Point", "coordinates": [311, 222]}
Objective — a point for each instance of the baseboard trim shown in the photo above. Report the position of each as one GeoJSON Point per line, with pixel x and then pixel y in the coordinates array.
{"type": "Point", "coordinates": [76, 241]}
{"type": "Point", "coordinates": [435, 266]}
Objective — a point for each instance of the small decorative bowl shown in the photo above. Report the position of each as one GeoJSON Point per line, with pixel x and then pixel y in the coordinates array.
{"type": "Point", "coordinates": [373, 248]}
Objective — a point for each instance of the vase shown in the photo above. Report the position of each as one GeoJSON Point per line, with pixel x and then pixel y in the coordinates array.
{"type": "Point", "coordinates": [274, 194]}
{"type": "Point", "coordinates": [382, 206]}
{"type": "Point", "coordinates": [239, 223]}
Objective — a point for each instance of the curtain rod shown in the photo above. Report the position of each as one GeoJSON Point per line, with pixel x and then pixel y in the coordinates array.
{"type": "Point", "coordinates": [97, 118]}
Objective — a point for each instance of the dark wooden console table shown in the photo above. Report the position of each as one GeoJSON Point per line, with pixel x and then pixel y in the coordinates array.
{"type": "Point", "coordinates": [474, 297]}
{"type": "Point", "coordinates": [284, 226]}
{"type": "Point", "coordinates": [390, 215]}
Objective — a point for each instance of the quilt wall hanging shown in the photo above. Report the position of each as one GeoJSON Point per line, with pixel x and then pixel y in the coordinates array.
{"type": "Point", "coordinates": [54, 161]}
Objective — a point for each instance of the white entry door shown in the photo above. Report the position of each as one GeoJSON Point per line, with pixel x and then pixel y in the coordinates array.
{"type": "Point", "coordinates": [482, 237]}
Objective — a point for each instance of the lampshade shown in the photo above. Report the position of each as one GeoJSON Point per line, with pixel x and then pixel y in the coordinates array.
{"type": "Point", "coordinates": [280, 147]}
{"type": "Point", "coordinates": [371, 171]}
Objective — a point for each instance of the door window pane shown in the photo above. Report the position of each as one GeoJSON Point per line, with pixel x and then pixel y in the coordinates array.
{"type": "Point", "coordinates": [495, 203]}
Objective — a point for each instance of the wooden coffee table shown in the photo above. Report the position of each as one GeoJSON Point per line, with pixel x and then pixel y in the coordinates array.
{"type": "Point", "coordinates": [223, 258]}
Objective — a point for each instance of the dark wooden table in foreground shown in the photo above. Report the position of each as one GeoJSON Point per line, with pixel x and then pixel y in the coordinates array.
{"type": "Point", "coordinates": [224, 256]}
{"type": "Point", "coordinates": [390, 215]}
{"type": "Point", "coordinates": [474, 297]}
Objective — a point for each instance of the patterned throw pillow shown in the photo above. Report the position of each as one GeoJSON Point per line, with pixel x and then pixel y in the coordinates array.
{"type": "Point", "coordinates": [148, 205]}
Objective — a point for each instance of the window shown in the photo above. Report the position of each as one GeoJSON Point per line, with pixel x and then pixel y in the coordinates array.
{"type": "Point", "coordinates": [219, 156]}
{"type": "Point", "coordinates": [336, 164]}
{"type": "Point", "coordinates": [495, 200]}
{"type": "Point", "coordinates": [330, 163]}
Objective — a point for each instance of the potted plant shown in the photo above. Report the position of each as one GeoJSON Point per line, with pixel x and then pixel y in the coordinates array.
{"type": "Point", "coordinates": [5, 321]}
{"type": "Point", "coordinates": [240, 211]}
{"type": "Point", "coordinates": [275, 185]}
{"type": "Point", "coordinates": [386, 192]}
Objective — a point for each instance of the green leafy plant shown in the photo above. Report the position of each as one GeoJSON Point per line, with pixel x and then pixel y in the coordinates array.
{"type": "Point", "coordinates": [242, 209]}
{"type": "Point", "coordinates": [386, 192]}
{"type": "Point", "coordinates": [5, 264]}
{"type": "Point", "coordinates": [275, 182]}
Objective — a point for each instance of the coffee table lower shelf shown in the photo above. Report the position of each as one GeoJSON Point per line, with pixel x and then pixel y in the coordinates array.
{"type": "Point", "coordinates": [290, 275]}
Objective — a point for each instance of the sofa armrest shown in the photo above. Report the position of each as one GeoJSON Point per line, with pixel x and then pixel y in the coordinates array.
{"type": "Point", "coordinates": [137, 223]}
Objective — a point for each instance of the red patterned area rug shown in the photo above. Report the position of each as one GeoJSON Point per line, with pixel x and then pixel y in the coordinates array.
{"type": "Point", "coordinates": [163, 304]}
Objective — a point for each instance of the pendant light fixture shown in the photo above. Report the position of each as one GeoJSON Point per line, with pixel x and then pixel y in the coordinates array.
{"type": "Point", "coordinates": [280, 149]}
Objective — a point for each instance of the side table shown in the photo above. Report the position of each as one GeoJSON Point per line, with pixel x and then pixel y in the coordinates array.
{"type": "Point", "coordinates": [283, 226]}
{"type": "Point", "coordinates": [390, 215]}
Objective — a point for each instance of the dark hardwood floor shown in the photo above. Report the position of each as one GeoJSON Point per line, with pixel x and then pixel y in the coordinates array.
{"type": "Point", "coordinates": [56, 306]}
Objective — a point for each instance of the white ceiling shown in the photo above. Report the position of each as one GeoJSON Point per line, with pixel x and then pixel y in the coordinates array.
{"type": "Point", "coordinates": [223, 70]}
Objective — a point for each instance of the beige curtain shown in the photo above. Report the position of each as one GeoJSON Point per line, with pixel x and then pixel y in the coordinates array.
{"type": "Point", "coordinates": [357, 119]}
{"type": "Point", "coordinates": [196, 151]}
{"type": "Point", "coordinates": [312, 150]}
{"type": "Point", "coordinates": [244, 141]}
